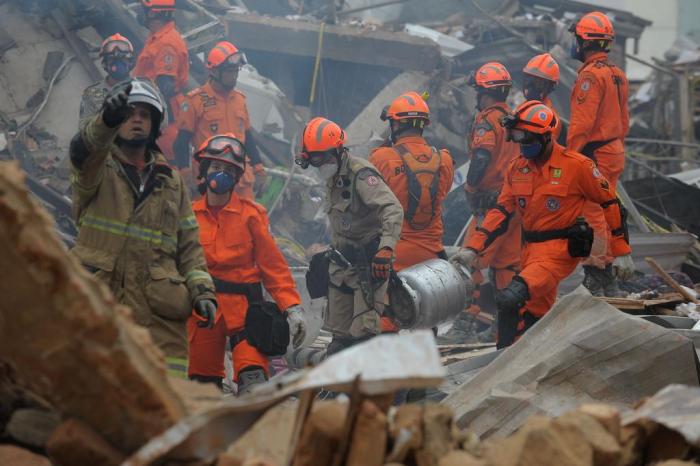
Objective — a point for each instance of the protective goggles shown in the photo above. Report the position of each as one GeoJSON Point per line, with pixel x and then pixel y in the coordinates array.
{"type": "Point", "coordinates": [116, 47]}
{"type": "Point", "coordinates": [226, 149]}
{"type": "Point", "coordinates": [514, 134]}
{"type": "Point", "coordinates": [237, 60]}
{"type": "Point", "coordinates": [315, 159]}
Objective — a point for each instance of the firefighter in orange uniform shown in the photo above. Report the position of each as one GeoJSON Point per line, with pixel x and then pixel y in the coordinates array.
{"type": "Point", "coordinates": [217, 107]}
{"type": "Point", "coordinates": [420, 176]}
{"type": "Point", "coordinates": [165, 61]}
{"type": "Point", "coordinates": [489, 154]}
{"type": "Point", "coordinates": [541, 77]}
{"type": "Point", "coordinates": [599, 124]}
{"type": "Point", "coordinates": [242, 257]}
{"type": "Point", "coordinates": [548, 186]}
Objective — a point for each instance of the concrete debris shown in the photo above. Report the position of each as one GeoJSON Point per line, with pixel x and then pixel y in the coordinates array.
{"type": "Point", "coordinates": [74, 442]}
{"type": "Point", "coordinates": [89, 353]}
{"type": "Point", "coordinates": [16, 456]}
{"type": "Point", "coordinates": [32, 427]}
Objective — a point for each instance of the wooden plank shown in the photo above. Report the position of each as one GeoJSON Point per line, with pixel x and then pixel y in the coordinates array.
{"type": "Point", "coordinates": [342, 43]}
{"type": "Point", "coordinates": [670, 281]}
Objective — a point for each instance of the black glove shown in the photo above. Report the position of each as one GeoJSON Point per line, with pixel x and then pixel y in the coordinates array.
{"type": "Point", "coordinates": [116, 109]}
{"type": "Point", "coordinates": [206, 308]}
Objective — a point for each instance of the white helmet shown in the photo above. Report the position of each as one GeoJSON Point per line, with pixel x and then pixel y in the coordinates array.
{"type": "Point", "coordinates": [146, 92]}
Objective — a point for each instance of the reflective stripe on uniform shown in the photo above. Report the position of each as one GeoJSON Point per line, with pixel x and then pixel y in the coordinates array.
{"type": "Point", "coordinates": [114, 227]}
{"type": "Point", "coordinates": [177, 367]}
{"type": "Point", "coordinates": [189, 223]}
{"type": "Point", "coordinates": [197, 275]}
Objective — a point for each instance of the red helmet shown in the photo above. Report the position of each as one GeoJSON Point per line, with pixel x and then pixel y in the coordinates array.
{"type": "Point", "coordinates": [530, 117]}
{"type": "Point", "coordinates": [543, 66]}
{"type": "Point", "coordinates": [225, 53]}
{"type": "Point", "coordinates": [159, 5]}
{"type": "Point", "coordinates": [594, 26]}
{"type": "Point", "coordinates": [116, 45]}
{"type": "Point", "coordinates": [223, 147]}
{"type": "Point", "coordinates": [407, 106]}
{"type": "Point", "coordinates": [491, 75]}
{"type": "Point", "coordinates": [320, 139]}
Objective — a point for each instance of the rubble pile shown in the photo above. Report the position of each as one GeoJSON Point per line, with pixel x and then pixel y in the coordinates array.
{"type": "Point", "coordinates": [427, 435]}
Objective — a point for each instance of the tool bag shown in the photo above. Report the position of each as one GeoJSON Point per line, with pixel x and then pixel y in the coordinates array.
{"type": "Point", "coordinates": [317, 276]}
{"type": "Point", "coordinates": [267, 329]}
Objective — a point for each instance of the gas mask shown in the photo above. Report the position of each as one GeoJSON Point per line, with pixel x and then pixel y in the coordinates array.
{"type": "Point", "coordinates": [221, 182]}
{"type": "Point", "coordinates": [118, 69]}
{"type": "Point", "coordinates": [328, 170]}
{"type": "Point", "coordinates": [531, 151]}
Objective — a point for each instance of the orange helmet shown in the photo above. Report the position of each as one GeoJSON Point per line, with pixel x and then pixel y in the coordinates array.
{"type": "Point", "coordinates": [407, 106]}
{"type": "Point", "coordinates": [223, 147]}
{"type": "Point", "coordinates": [491, 75]}
{"type": "Point", "coordinates": [116, 45]}
{"type": "Point", "coordinates": [320, 138]}
{"type": "Point", "coordinates": [225, 52]}
{"type": "Point", "coordinates": [543, 66]}
{"type": "Point", "coordinates": [530, 117]}
{"type": "Point", "coordinates": [594, 26]}
{"type": "Point", "coordinates": [159, 5]}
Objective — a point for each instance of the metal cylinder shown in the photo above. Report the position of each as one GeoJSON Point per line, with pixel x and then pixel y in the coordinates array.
{"type": "Point", "coordinates": [429, 293]}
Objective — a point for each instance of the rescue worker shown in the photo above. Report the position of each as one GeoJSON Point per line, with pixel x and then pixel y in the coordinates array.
{"type": "Point", "coordinates": [217, 107]}
{"type": "Point", "coordinates": [489, 155]}
{"type": "Point", "coordinates": [365, 219]}
{"type": "Point", "coordinates": [164, 60]}
{"type": "Point", "coordinates": [541, 76]}
{"type": "Point", "coordinates": [548, 186]}
{"type": "Point", "coordinates": [420, 176]}
{"type": "Point", "coordinates": [599, 124]}
{"type": "Point", "coordinates": [117, 55]}
{"type": "Point", "coordinates": [242, 257]}
{"type": "Point", "coordinates": [137, 232]}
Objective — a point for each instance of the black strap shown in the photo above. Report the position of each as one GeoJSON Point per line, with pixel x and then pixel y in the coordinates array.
{"type": "Point", "coordinates": [590, 148]}
{"type": "Point", "coordinates": [547, 235]}
{"type": "Point", "coordinates": [415, 190]}
{"type": "Point", "coordinates": [252, 291]}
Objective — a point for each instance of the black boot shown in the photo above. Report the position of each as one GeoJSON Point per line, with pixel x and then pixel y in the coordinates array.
{"type": "Point", "coordinates": [249, 377]}
{"type": "Point", "coordinates": [594, 280]}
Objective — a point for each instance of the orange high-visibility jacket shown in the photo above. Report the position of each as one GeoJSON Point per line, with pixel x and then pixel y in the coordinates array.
{"type": "Point", "coordinates": [164, 54]}
{"type": "Point", "coordinates": [391, 167]}
{"type": "Point", "coordinates": [239, 248]}
{"type": "Point", "coordinates": [488, 134]}
{"type": "Point", "coordinates": [551, 197]}
{"type": "Point", "coordinates": [599, 111]}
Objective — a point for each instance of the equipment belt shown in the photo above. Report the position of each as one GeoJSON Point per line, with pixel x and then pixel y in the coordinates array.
{"type": "Point", "coordinates": [252, 291]}
{"type": "Point", "coordinates": [547, 235]}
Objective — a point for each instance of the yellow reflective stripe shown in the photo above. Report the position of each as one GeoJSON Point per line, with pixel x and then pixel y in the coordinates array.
{"type": "Point", "coordinates": [197, 275]}
{"type": "Point", "coordinates": [177, 367]}
{"type": "Point", "coordinates": [189, 223]}
{"type": "Point", "coordinates": [122, 229]}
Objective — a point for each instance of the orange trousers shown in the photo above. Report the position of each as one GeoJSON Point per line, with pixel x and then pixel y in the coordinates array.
{"type": "Point", "coordinates": [407, 253]}
{"type": "Point", "coordinates": [611, 167]}
{"type": "Point", "coordinates": [207, 347]}
{"type": "Point", "coordinates": [544, 266]}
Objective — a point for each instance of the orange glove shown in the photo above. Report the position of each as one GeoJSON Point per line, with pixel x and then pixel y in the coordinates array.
{"type": "Point", "coordinates": [381, 264]}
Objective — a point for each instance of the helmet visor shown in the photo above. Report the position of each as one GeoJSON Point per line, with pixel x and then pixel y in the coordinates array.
{"type": "Point", "coordinates": [316, 159]}
{"type": "Point", "coordinates": [116, 47]}
{"type": "Point", "coordinates": [225, 148]}
{"type": "Point", "coordinates": [237, 60]}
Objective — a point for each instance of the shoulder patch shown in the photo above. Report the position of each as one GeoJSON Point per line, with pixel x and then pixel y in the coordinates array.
{"type": "Point", "coordinates": [584, 84]}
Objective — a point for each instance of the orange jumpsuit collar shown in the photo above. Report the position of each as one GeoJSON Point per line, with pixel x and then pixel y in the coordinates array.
{"type": "Point", "coordinates": [598, 56]}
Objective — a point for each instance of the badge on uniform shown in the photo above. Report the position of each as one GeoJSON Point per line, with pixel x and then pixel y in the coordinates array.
{"type": "Point", "coordinates": [521, 202]}
{"type": "Point", "coordinates": [185, 106]}
{"type": "Point", "coordinates": [214, 127]}
{"type": "Point", "coordinates": [556, 172]}
{"type": "Point", "coordinates": [372, 180]}
{"type": "Point", "coordinates": [525, 170]}
{"type": "Point", "coordinates": [481, 132]}
{"type": "Point", "coordinates": [552, 204]}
